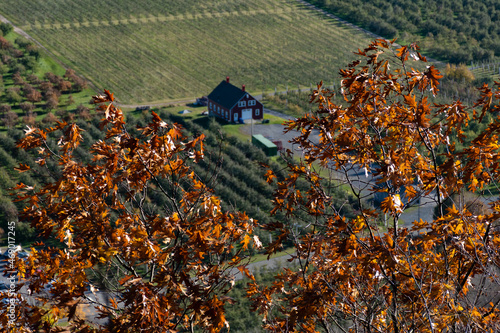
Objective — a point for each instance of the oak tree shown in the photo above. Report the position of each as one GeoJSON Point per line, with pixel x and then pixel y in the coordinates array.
{"type": "Point", "coordinates": [161, 269]}
{"type": "Point", "coordinates": [388, 139]}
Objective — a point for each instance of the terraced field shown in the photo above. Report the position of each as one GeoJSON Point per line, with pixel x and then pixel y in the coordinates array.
{"type": "Point", "coordinates": [153, 51]}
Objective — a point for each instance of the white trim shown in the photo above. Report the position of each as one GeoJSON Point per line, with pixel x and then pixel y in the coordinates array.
{"type": "Point", "coordinates": [252, 102]}
{"type": "Point", "coordinates": [242, 104]}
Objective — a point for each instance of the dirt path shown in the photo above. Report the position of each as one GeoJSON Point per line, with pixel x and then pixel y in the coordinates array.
{"type": "Point", "coordinates": [19, 31]}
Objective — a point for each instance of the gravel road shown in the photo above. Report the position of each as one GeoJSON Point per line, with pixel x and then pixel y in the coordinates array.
{"type": "Point", "coordinates": [422, 211]}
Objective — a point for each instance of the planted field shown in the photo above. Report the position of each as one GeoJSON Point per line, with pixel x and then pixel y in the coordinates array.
{"type": "Point", "coordinates": [157, 51]}
{"type": "Point", "coordinates": [451, 31]}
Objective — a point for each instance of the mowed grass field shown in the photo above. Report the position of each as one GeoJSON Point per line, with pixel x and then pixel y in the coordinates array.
{"type": "Point", "coordinates": [156, 51]}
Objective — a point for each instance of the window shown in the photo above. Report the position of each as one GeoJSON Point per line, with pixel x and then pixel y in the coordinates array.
{"type": "Point", "coordinates": [257, 112]}
{"type": "Point", "coordinates": [218, 109]}
{"type": "Point", "coordinates": [251, 103]}
{"type": "Point", "coordinates": [242, 104]}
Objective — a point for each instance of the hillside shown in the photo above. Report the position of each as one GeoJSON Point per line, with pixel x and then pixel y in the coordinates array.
{"type": "Point", "coordinates": [161, 50]}
{"type": "Point", "coordinates": [33, 96]}
{"type": "Point", "coordinates": [452, 31]}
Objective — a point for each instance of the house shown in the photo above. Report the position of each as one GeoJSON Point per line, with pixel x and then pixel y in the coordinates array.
{"type": "Point", "coordinates": [233, 104]}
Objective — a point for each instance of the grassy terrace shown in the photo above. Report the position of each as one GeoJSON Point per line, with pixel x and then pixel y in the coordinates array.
{"type": "Point", "coordinates": [156, 51]}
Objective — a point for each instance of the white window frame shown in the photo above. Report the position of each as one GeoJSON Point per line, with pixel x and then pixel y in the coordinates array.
{"type": "Point", "coordinates": [242, 104]}
{"type": "Point", "coordinates": [257, 112]}
{"type": "Point", "coordinates": [252, 102]}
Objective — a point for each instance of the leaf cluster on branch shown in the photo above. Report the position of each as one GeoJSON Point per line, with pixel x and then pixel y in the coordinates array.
{"type": "Point", "coordinates": [387, 138]}
{"type": "Point", "coordinates": [172, 271]}
{"type": "Point", "coordinates": [157, 272]}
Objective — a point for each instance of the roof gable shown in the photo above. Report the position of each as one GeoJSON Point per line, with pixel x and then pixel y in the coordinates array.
{"type": "Point", "coordinates": [226, 95]}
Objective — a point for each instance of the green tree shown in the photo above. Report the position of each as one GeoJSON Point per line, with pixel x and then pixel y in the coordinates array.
{"type": "Point", "coordinates": [13, 96]}
{"type": "Point", "coordinates": [6, 28]}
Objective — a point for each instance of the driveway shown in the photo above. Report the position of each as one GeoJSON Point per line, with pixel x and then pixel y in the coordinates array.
{"type": "Point", "coordinates": [277, 132]}
{"type": "Point", "coordinates": [423, 211]}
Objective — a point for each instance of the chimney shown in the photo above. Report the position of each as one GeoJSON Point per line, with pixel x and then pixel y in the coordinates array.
{"type": "Point", "coordinates": [243, 87]}
{"type": "Point", "coordinates": [227, 79]}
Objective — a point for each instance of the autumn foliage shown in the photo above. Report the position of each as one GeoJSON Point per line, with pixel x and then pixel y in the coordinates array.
{"type": "Point", "coordinates": [158, 271]}
{"type": "Point", "coordinates": [374, 272]}
{"type": "Point", "coordinates": [388, 139]}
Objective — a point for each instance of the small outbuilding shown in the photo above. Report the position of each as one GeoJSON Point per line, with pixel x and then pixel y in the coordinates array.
{"type": "Point", "coordinates": [266, 145]}
{"type": "Point", "coordinates": [233, 104]}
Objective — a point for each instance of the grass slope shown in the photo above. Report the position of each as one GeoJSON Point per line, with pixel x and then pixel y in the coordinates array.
{"type": "Point", "coordinates": [155, 51]}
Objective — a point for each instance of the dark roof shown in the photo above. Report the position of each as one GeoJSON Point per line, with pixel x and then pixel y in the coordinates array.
{"type": "Point", "coordinates": [226, 95]}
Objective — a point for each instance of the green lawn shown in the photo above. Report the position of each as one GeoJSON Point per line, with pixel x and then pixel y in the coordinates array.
{"type": "Point", "coordinates": [165, 50]}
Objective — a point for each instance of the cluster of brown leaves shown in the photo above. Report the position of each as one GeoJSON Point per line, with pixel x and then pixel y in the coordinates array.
{"type": "Point", "coordinates": [171, 271]}
{"type": "Point", "coordinates": [159, 272]}
{"type": "Point", "coordinates": [355, 275]}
